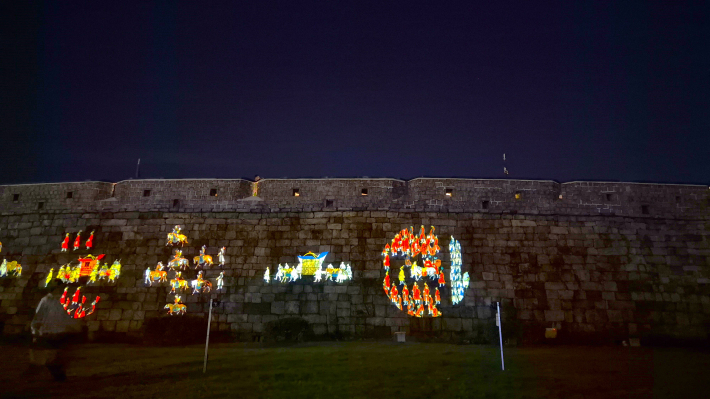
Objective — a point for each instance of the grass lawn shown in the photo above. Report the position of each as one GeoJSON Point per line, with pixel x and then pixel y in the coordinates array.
{"type": "Point", "coordinates": [364, 370]}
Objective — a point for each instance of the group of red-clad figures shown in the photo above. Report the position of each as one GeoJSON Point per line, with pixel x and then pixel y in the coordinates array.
{"type": "Point", "coordinates": [409, 245]}
{"type": "Point", "coordinates": [77, 242]}
{"type": "Point", "coordinates": [74, 307]}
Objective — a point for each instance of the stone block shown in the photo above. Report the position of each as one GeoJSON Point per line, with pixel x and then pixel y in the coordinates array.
{"type": "Point", "coordinates": [554, 315]}
{"type": "Point", "coordinates": [615, 316]}
{"type": "Point", "coordinates": [108, 325]}
{"type": "Point", "coordinates": [115, 314]}
{"type": "Point", "coordinates": [122, 325]}
{"type": "Point", "coordinates": [609, 286]}
{"type": "Point", "coordinates": [310, 307]}
{"type": "Point", "coordinates": [551, 285]}
{"type": "Point", "coordinates": [293, 307]}
{"type": "Point", "coordinates": [278, 307]}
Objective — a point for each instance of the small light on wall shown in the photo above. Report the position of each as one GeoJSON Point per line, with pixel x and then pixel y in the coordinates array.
{"type": "Point", "coordinates": [449, 192]}
{"type": "Point", "coordinates": [363, 192]}
{"type": "Point", "coordinates": [213, 192]}
{"type": "Point", "coordinates": [296, 193]}
{"type": "Point", "coordinates": [560, 196]}
{"type": "Point", "coordinates": [517, 195]}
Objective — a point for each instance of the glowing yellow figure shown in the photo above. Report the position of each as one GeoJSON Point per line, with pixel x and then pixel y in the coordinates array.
{"type": "Point", "coordinates": [401, 275]}
{"type": "Point", "coordinates": [115, 271]}
{"type": "Point", "coordinates": [94, 274]}
{"type": "Point", "coordinates": [49, 277]}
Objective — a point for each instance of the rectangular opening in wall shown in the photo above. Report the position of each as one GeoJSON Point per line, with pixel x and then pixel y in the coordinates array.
{"type": "Point", "coordinates": [176, 203]}
{"type": "Point", "coordinates": [363, 191]}
{"type": "Point", "coordinates": [485, 204]}
{"type": "Point", "coordinates": [146, 193]}
{"type": "Point", "coordinates": [213, 192]}
{"type": "Point", "coordinates": [644, 209]}
{"type": "Point", "coordinates": [40, 205]}
{"type": "Point", "coordinates": [608, 197]}
{"type": "Point", "coordinates": [70, 194]}
{"type": "Point", "coordinates": [329, 203]}
{"type": "Point", "coordinates": [449, 192]}
{"type": "Point", "coordinates": [15, 197]}
{"type": "Point", "coordinates": [296, 193]}
{"type": "Point", "coordinates": [677, 198]}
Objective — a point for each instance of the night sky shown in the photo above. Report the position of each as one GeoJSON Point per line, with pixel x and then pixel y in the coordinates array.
{"type": "Point", "coordinates": [610, 91]}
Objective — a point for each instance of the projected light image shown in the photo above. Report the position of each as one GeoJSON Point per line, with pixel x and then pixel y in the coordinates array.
{"type": "Point", "coordinates": [311, 264]}
{"type": "Point", "coordinates": [10, 269]}
{"type": "Point", "coordinates": [176, 237]}
{"type": "Point", "coordinates": [426, 278]}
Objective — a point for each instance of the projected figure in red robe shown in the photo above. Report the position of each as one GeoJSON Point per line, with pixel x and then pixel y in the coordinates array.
{"type": "Point", "coordinates": [77, 241]}
{"type": "Point", "coordinates": [65, 243]}
{"type": "Point", "coordinates": [416, 294]}
{"type": "Point", "coordinates": [90, 241]}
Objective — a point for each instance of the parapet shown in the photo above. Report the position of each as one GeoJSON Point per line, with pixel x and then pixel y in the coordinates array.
{"type": "Point", "coordinates": [544, 197]}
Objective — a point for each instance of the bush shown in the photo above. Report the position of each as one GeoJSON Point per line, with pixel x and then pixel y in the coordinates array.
{"type": "Point", "coordinates": [175, 330]}
{"type": "Point", "coordinates": [290, 329]}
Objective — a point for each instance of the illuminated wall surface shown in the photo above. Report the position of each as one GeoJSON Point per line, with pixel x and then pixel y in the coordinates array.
{"type": "Point", "coordinates": [604, 260]}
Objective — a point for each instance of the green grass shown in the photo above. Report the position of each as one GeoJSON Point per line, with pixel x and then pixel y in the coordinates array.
{"type": "Point", "coordinates": [364, 370]}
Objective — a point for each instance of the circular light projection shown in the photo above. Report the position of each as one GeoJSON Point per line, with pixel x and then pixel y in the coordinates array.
{"type": "Point", "coordinates": [416, 284]}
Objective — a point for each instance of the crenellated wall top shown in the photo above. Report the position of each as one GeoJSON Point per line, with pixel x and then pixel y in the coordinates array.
{"type": "Point", "coordinates": [420, 194]}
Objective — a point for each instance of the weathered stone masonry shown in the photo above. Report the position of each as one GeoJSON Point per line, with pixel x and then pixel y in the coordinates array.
{"type": "Point", "coordinates": [594, 259]}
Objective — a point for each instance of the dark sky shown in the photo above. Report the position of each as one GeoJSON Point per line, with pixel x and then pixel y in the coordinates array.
{"type": "Point", "coordinates": [569, 91]}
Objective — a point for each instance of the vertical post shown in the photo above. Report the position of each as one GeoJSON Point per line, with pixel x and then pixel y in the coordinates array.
{"type": "Point", "coordinates": [500, 335]}
{"type": "Point", "coordinates": [138, 166]}
{"type": "Point", "coordinates": [207, 342]}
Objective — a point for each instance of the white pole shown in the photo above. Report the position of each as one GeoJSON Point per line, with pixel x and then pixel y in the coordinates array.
{"type": "Point", "coordinates": [500, 335]}
{"type": "Point", "coordinates": [207, 342]}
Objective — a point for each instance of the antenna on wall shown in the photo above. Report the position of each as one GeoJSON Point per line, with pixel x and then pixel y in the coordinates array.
{"type": "Point", "coordinates": [138, 167]}
{"type": "Point", "coordinates": [505, 170]}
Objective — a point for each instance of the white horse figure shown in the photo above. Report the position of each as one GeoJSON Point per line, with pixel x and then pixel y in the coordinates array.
{"type": "Point", "coordinates": [319, 273]}
{"type": "Point", "coordinates": [342, 274]}
{"type": "Point", "coordinates": [279, 273]}
{"type": "Point", "coordinates": [416, 272]}
{"type": "Point", "coordinates": [431, 272]}
{"type": "Point", "coordinates": [266, 275]}
{"type": "Point", "coordinates": [296, 273]}
{"type": "Point", "coordinates": [147, 275]}
{"type": "Point", "coordinates": [349, 272]}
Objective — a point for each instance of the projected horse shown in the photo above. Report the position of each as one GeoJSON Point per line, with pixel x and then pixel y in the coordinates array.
{"type": "Point", "coordinates": [175, 238]}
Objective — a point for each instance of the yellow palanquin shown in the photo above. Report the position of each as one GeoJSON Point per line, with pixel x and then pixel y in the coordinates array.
{"type": "Point", "coordinates": [88, 263]}
{"type": "Point", "coordinates": [311, 262]}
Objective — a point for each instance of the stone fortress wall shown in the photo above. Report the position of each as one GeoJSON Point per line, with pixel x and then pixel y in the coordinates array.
{"type": "Point", "coordinates": [594, 259]}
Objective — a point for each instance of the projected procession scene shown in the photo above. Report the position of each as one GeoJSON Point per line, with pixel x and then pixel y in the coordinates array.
{"type": "Point", "coordinates": [417, 288]}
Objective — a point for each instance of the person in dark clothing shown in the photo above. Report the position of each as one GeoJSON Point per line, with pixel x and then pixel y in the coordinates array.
{"type": "Point", "coordinates": [52, 330]}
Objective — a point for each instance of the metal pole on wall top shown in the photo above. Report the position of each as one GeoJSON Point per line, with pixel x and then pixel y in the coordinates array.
{"type": "Point", "coordinates": [500, 335]}
{"type": "Point", "coordinates": [207, 342]}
